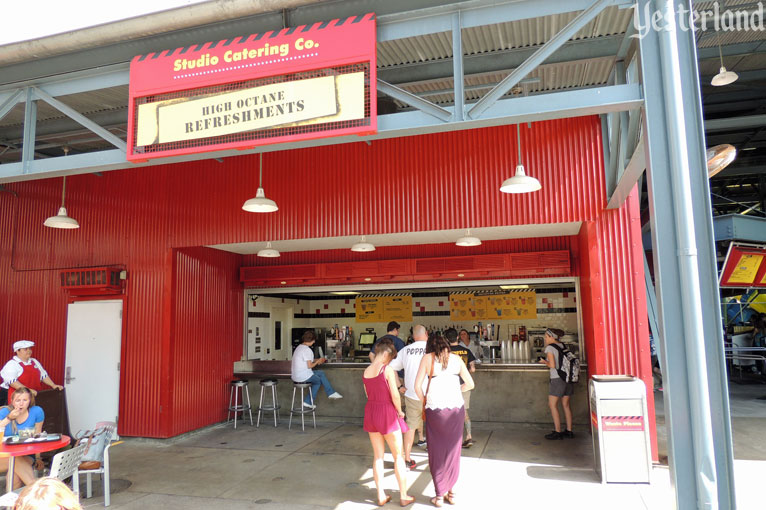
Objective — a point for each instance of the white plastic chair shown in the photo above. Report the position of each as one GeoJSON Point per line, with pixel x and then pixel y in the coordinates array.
{"type": "Point", "coordinates": [113, 439]}
{"type": "Point", "coordinates": [65, 464]}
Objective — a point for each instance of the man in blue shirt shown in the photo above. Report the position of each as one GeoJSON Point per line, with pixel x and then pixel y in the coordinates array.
{"type": "Point", "coordinates": [393, 334]}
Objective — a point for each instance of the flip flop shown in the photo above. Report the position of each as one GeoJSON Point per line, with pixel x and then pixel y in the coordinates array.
{"type": "Point", "coordinates": [437, 501]}
{"type": "Point", "coordinates": [450, 498]}
{"type": "Point", "coordinates": [381, 503]}
{"type": "Point", "coordinates": [407, 502]}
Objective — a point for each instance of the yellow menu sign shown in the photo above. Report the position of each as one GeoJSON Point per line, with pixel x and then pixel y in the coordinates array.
{"type": "Point", "coordinates": [397, 308]}
{"type": "Point", "coordinates": [369, 309]}
{"type": "Point", "coordinates": [508, 306]}
{"type": "Point", "coordinates": [746, 269]}
{"type": "Point", "coordinates": [383, 308]}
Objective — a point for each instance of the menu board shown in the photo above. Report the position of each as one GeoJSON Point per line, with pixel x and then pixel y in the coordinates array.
{"type": "Point", "coordinates": [746, 269]}
{"type": "Point", "coordinates": [383, 308]}
{"type": "Point", "coordinates": [369, 309]}
{"type": "Point", "coordinates": [397, 308]}
{"type": "Point", "coordinates": [508, 306]}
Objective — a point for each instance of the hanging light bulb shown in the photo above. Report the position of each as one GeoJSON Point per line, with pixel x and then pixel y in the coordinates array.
{"type": "Point", "coordinates": [468, 239]}
{"type": "Point", "coordinates": [520, 182]}
{"type": "Point", "coordinates": [61, 220]}
{"type": "Point", "coordinates": [723, 77]}
{"type": "Point", "coordinates": [363, 245]}
{"type": "Point", "coordinates": [268, 251]}
{"type": "Point", "coordinates": [260, 203]}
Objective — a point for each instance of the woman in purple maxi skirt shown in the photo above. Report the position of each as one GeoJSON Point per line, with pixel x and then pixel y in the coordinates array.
{"type": "Point", "coordinates": [441, 371]}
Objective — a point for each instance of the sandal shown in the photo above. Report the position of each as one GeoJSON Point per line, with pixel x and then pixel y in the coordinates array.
{"type": "Point", "coordinates": [450, 498]}
{"type": "Point", "coordinates": [407, 501]}
{"type": "Point", "coordinates": [438, 501]}
{"type": "Point", "coordinates": [381, 503]}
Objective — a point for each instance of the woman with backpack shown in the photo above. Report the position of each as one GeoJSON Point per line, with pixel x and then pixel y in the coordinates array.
{"type": "Point", "coordinates": [558, 389]}
{"type": "Point", "coordinates": [21, 414]}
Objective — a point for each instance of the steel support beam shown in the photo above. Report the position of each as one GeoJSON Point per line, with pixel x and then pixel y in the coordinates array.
{"type": "Point", "coordinates": [538, 57]}
{"type": "Point", "coordinates": [691, 346]}
{"type": "Point", "coordinates": [411, 99]}
{"type": "Point", "coordinates": [475, 14]}
{"type": "Point", "coordinates": [627, 181]}
{"type": "Point", "coordinates": [14, 97]}
{"type": "Point", "coordinates": [81, 119]}
{"type": "Point", "coordinates": [457, 66]}
{"type": "Point", "coordinates": [30, 123]}
{"type": "Point", "coordinates": [735, 123]}
{"type": "Point", "coordinates": [501, 61]}
{"type": "Point", "coordinates": [557, 105]}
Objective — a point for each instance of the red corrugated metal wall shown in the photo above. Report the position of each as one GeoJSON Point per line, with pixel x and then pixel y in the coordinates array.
{"type": "Point", "coordinates": [203, 340]}
{"type": "Point", "coordinates": [136, 217]}
{"type": "Point", "coordinates": [614, 298]}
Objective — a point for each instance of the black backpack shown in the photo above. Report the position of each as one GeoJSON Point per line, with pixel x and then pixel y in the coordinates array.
{"type": "Point", "coordinates": [569, 365]}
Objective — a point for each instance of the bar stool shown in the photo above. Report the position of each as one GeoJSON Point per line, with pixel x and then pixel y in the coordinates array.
{"type": "Point", "coordinates": [300, 409]}
{"type": "Point", "coordinates": [239, 390]}
{"type": "Point", "coordinates": [274, 406]}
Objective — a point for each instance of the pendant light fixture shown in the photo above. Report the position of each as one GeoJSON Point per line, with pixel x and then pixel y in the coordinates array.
{"type": "Point", "coordinates": [363, 245]}
{"type": "Point", "coordinates": [468, 239]}
{"type": "Point", "coordinates": [521, 182]}
{"type": "Point", "coordinates": [723, 77]}
{"type": "Point", "coordinates": [259, 203]}
{"type": "Point", "coordinates": [268, 251]}
{"type": "Point", "coordinates": [61, 220]}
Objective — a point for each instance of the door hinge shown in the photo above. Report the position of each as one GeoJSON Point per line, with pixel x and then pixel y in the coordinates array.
{"type": "Point", "coordinates": [118, 366]}
{"type": "Point", "coordinates": [120, 314]}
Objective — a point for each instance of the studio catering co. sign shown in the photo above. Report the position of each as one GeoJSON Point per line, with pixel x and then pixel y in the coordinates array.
{"type": "Point", "coordinates": [311, 81]}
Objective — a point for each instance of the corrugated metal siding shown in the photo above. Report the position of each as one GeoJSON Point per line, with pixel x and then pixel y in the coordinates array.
{"type": "Point", "coordinates": [206, 336]}
{"type": "Point", "coordinates": [134, 218]}
{"type": "Point", "coordinates": [614, 297]}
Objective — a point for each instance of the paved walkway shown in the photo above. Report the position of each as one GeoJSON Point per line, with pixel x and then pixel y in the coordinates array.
{"type": "Point", "coordinates": [511, 466]}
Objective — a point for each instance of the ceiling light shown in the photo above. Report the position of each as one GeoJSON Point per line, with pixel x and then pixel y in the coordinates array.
{"type": "Point", "coordinates": [723, 77]}
{"type": "Point", "coordinates": [268, 251]}
{"type": "Point", "coordinates": [508, 287]}
{"type": "Point", "coordinates": [521, 182]}
{"type": "Point", "coordinates": [61, 220]}
{"type": "Point", "coordinates": [283, 283]}
{"type": "Point", "coordinates": [260, 203]}
{"type": "Point", "coordinates": [468, 240]}
{"type": "Point", "coordinates": [368, 279]}
{"type": "Point", "coordinates": [363, 245]}
{"type": "Point", "coordinates": [460, 275]}
{"type": "Point", "coordinates": [345, 293]}
{"type": "Point", "coordinates": [719, 157]}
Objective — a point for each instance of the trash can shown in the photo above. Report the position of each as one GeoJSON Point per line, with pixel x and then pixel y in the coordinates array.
{"type": "Point", "coordinates": [618, 414]}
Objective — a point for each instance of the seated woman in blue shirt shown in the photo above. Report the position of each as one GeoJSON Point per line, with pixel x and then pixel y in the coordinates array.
{"type": "Point", "coordinates": [21, 414]}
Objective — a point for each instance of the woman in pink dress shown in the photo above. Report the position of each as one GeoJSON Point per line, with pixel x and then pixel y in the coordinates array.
{"type": "Point", "coordinates": [383, 419]}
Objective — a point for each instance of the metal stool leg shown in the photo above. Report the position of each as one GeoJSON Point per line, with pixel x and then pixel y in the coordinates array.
{"type": "Point", "coordinates": [303, 429]}
{"type": "Point", "coordinates": [246, 391]}
{"type": "Point", "coordinates": [231, 394]}
{"type": "Point", "coordinates": [260, 405]}
{"type": "Point", "coordinates": [274, 402]}
{"type": "Point", "coordinates": [313, 409]}
{"type": "Point", "coordinates": [236, 394]}
{"type": "Point", "coordinates": [292, 406]}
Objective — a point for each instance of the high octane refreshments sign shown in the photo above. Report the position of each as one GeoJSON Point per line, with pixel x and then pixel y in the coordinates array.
{"type": "Point", "coordinates": [295, 84]}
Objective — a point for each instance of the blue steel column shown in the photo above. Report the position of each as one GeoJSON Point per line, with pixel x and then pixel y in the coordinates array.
{"type": "Point", "coordinates": [691, 344]}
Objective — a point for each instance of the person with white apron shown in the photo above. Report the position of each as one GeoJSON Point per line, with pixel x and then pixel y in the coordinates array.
{"type": "Point", "coordinates": [24, 371]}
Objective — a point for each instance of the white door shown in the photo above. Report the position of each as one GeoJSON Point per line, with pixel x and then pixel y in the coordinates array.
{"type": "Point", "coordinates": [92, 373]}
{"type": "Point", "coordinates": [281, 327]}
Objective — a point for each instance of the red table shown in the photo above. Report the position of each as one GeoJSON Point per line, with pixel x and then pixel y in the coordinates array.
{"type": "Point", "coordinates": [19, 450]}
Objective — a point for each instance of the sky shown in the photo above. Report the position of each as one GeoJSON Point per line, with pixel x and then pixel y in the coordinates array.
{"type": "Point", "coordinates": [32, 19]}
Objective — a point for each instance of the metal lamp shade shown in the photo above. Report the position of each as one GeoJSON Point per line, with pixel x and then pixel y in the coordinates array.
{"type": "Point", "coordinates": [268, 252]}
{"type": "Point", "coordinates": [260, 203]}
{"type": "Point", "coordinates": [520, 183]}
{"type": "Point", "coordinates": [724, 77]}
{"type": "Point", "coordinates": [61, 220]}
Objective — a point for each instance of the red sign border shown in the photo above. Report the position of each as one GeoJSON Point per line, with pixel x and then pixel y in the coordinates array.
{"type": "Point", "coordinates": [732, 258]}
{"type": "Point", "coordinates": [144, 82]}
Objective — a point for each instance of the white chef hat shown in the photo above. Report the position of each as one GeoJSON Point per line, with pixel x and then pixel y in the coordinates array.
{"type": "Point", "coordinates": [22, 344]}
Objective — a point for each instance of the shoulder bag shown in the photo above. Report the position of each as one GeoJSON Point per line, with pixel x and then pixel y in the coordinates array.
{"type": "Point", "coordinates": [428, 386]}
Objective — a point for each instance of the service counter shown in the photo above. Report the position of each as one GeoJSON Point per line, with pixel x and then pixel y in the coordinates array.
{"type": "Point", "coordinates": [505, 392]}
